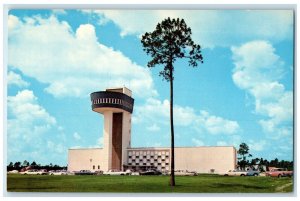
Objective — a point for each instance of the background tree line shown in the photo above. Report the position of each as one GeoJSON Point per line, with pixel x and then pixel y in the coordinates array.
{"type": "Point", "coordinates": [19, 166]}
{"type": "Point", "coordinates": [273, 163]}
{"type": "Point", "coordinates": [244, 160]}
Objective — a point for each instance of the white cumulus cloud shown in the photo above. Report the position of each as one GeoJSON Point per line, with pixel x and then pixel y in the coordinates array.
{"type": "Point", "coordinates": [210, 28]}
{"type": "Point", "coordinates": [258, 70]}
{"type": "Point", "coordinates": [71, 63]}
{"type": "Point", "coordinates": [216, 125]}
{"type": "Point", "coordinates": [25, 109]}
{"type": "Point", "coordinates": [157, 112]}
{"type": "Point", "coordinates": [16, 79]}
{"type": "Point", "coordinates": [28, 128]}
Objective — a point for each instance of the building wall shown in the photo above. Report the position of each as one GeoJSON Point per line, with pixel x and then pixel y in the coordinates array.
{"type": "Point", "coordinates": [199, 159]}
{"type": "Point", "coordinates": [86, 159]}
{"type": "Point", "coordinates": [205, 159]}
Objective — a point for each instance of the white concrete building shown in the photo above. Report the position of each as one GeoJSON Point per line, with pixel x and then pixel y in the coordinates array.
{"type": "Point", "coordinates": [117, 105]}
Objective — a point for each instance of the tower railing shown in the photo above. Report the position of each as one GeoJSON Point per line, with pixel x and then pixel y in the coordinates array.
{"type": "Point", "coordinates": [112, 100]}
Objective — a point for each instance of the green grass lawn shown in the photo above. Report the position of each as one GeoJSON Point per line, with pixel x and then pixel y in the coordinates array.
{"type": "Point", "coordinates": [148, 184]}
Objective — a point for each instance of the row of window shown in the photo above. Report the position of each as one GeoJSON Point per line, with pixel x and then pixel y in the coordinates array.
{"type": "Point", "coordinates": [151, 153]}
{"type": "Point", "coordinates": [150, 164]}
{"type": "Point", "coordinates": [151, 156]}
{"type": "Point", "coordinates": [148, 161]}
{"type": "Point", "coordinates": [112, 101]}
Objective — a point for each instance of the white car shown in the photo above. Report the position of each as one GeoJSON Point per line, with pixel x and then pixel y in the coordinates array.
{"type": "Point", "coordinates": [236, 173]}
{"type": "Point", "coordinates": [117, 172]}
{"type": "Point", "coordinates": [34, 172]}
{"type": "Point", "coordinates": [13, 172]}
{"type": "Point", "coordinates": [58, 172]}
{"type": "Point", "coordinates": [184, 173]}
{"type": "Point", "coordinates": [135, 173]}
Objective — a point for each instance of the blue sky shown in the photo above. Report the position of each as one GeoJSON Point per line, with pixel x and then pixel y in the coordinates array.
{"type": "Point", "coordinates": [242, 93]}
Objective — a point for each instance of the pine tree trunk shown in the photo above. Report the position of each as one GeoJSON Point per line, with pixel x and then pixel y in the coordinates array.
{"type": "Point", "coordinates": [172, 177]}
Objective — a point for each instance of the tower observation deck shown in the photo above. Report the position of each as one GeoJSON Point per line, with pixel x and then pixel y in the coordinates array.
{"type": "Point", "coordinates": [112, 99]}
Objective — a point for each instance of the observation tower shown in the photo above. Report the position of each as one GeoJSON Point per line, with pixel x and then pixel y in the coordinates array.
{"type": "Point", "coordinates": [116, 104]}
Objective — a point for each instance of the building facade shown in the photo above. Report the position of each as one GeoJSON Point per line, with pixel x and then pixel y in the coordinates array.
{"type": "Point", "coordinates": [117, 105]}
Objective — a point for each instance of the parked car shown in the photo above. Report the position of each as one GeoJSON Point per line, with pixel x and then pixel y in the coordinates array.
{"type": "Point", "coordinates": [13, 172]}
{"type": "Point", "coordinates": [84, 172]}
{"type": "Point", "coordinates": [135, 173]}
{"type": "Point", "coordinates": [236, 173]}
{"type": "Point", "coordinates": [253, 173]}
{"type": "Point", "coordinates": [58, 172]}
{"type": "Point", "coordinates": [117, 172]}
{"type": "Point", "coordinates": [151, 172]}
{"type": "Point", "coordinates": [166, 172]}
{"type": "Point", "coordinates": [279, 172]}
{"type": "Point", "coordinates": [34, 172]}
{"type": "Point", "coordinates": [184, 173]}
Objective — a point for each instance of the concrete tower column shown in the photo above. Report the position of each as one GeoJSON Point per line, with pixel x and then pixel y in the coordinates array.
{"type": "Point", "coordinates": [107, 143]}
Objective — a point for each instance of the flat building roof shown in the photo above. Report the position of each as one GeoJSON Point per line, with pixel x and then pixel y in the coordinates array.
{"type": "Point", "coordinates": [179, 147]}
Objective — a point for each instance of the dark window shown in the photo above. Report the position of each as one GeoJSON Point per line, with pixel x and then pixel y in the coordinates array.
{"type": "Point", "coordinates": [93, 167]}
{"type": "Point", "coordinates": [98, 167]}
